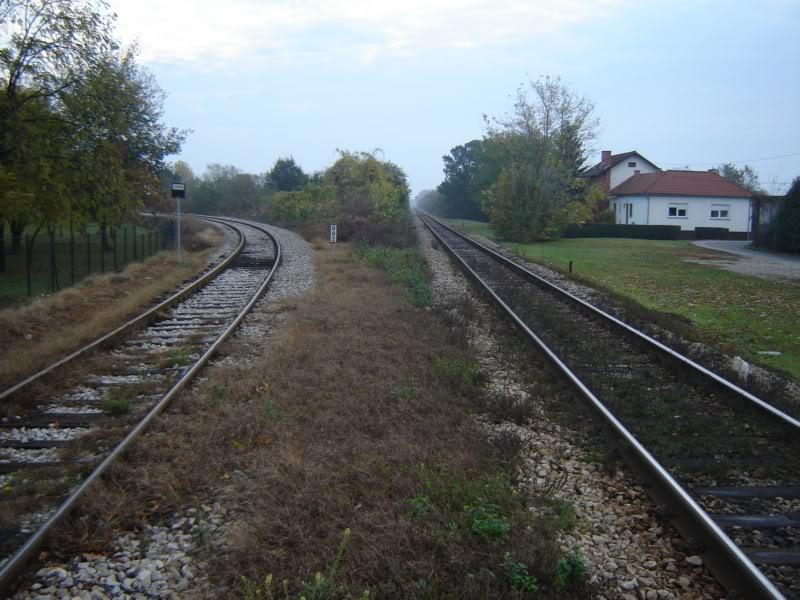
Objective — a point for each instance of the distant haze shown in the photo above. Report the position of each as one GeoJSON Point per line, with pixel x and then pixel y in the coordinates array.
{"type": "Point", "coordinates": [685, 83]}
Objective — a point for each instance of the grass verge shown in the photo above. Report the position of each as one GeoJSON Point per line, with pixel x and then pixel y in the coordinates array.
{"type": "Point", "coordinates": [350, 457]}
{"type": "Point", "coordinates": [743, 315]}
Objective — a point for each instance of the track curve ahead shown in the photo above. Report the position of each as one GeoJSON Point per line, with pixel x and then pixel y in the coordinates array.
{"type": "Point", "coordinates": [130, 377]}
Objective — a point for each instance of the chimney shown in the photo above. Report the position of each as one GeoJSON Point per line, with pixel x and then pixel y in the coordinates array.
{"type": "Point", "coordinates": [605, 157]}
{"type": "Point", "coordinates": [637, 172]}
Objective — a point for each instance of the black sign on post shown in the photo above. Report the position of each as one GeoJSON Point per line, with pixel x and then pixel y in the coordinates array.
{"type": "Point", "coordinates": [179, 190]}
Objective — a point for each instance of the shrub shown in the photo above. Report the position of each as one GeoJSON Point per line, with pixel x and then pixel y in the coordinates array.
{"type": "Point", "coordinates": [784, 235]}
{"type": "Point", "coordinates": [711, 233]}
{"type": "Point", "coordinates": [606, 217]}
{"type": "Point", "coordinates": [636, 232]}
{"type": "Point", "coordinates": [570, 570]}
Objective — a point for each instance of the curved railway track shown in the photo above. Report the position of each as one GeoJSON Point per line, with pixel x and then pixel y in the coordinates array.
{"type": "Point", "coordinates": [722, 462]}
{"type": "Point", "coordinates": [57, 445]}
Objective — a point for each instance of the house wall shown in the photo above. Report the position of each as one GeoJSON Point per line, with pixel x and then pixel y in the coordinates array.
{"type": "Point", "coordinates": [654, 210]}
{"type": "Point", "coordinates": [622, 171]}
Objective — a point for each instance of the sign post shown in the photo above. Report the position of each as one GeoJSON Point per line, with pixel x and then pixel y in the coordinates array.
{"type": "Point", "coordinates": [178, 192]}
{"type": "Point", "coordinates": [332, 235]}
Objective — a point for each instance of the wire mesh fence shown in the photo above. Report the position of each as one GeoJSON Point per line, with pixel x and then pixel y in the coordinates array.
{"type": "Point", "coordinates": [45, 261]}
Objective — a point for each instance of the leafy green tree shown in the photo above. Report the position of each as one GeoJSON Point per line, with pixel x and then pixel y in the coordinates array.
{"type": "Point", "coordinates": [469, 170]}
{"type": "Point", "coordinates": [431, 201]}
{"type": "Point", "coordinates": [745, 177]}
{"type": "Point", "coordinates": [543, 140]}
{"type": "Point", "coordinates": [286, 176]}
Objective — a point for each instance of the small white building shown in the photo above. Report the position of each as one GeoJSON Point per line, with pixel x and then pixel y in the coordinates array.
{"type": "Point", "coordinates": [690, 199]}
{"type": "Point", "coordinates": [613, 169]}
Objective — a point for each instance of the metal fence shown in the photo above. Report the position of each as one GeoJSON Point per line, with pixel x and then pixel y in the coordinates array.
{"type": "Point", "coordinates": [57, 258]}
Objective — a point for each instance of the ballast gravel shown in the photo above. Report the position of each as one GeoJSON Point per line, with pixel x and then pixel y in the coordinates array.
{"type": "Point", "coordinates": [630, 551]}
{"type": "Point", "coordinates": [168, 559]}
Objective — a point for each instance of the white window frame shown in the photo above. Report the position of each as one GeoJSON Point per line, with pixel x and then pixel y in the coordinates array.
{"type": "Point", "coordinates": [678, 208]}
{"type": "Point", "coordinates": [720, 209]}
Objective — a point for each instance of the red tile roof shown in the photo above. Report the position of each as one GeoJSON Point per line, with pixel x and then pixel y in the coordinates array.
{"type": "Point", "coordinates": [680, 183]}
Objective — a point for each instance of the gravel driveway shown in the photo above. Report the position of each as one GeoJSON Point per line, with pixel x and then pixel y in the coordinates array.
{"type": "Point", "coordinates": [759, 263]}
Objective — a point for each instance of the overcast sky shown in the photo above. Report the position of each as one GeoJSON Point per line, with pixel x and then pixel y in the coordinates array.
{"type": "Point", "coordinates": [692, 83]}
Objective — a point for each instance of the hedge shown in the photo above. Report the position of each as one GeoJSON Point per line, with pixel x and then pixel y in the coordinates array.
{"type": "Point", "coordinates": [636, 232]}
{"type": "Point", "coordinates": [711, 233]}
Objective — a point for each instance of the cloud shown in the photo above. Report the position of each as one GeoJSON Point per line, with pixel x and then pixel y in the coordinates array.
{"type": "Point", "coordinates": [288, 32]}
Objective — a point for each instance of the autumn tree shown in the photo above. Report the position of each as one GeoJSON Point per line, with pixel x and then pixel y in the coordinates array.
{"type": "Point", "coordinates": [745, 176]}
{"type": "Point", "coordinates": [543, 141]}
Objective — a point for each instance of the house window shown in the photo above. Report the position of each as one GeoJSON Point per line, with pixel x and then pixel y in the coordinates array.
{"type": "Point", "coordinates": [677, 211]}
{"type": "Point", "coordinates": [720, 211]}
{"type": "Point", "coordinates": [632, 163]}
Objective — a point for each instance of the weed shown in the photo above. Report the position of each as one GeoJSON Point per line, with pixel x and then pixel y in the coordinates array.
{"type": "Point", "coordinates": [219, 395]}
{"type": "Point", "coordinates": [405, 266]}
{"type": "Point", "coordinates": [421, 507]}
{"type": "Point", "coordinates": [407, 391]}
{"type": "Point", "coordinates": [177, 357]}
{"type": "Point", "coordinates": [518, 577]}
{"type": "Point", "coordinates": [486, 522]}
{"type": "Point", "coordinates": [459, 370]}
{"type": "Point", "coordinates": [567, 519]}
{"type": "Point", "coordinates": [570, 570]}
{"type": "Point", "coordinates": [117, 406]}
{"type": "Point", "coordinates": [201, 536]}
{"type": "Point", "coordinates": [321, 588]}
{"type": "Point", "coordinates": [269, 412]}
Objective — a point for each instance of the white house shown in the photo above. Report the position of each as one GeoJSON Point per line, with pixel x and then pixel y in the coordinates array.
{"type": "Point", "coordinates": [690, 199]}
{"type": "Point", "coordinates": [613, 169]}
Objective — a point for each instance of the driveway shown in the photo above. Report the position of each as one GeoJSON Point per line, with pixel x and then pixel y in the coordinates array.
{"type": "Point", "coordinates": [759, 263]}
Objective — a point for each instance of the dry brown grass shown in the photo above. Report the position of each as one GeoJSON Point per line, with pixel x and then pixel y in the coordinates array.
{"type": "Point", "coordinates": [345, 422]}
{"type": "Point", "coordinates": [39, 333]}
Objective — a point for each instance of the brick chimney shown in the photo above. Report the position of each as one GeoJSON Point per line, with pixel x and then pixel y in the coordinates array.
{"type": "Point", "coordinates": [605, 157]}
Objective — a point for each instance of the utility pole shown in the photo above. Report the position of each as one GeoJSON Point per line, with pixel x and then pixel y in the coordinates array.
{"type": "Point", "coordinates": [178, 192]}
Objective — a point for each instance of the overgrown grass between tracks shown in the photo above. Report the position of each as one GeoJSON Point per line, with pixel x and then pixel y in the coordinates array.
{"type": "Point", "coordinates": [358, 418]}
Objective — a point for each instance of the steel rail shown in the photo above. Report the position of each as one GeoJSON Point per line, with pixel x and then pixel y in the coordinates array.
{"type": "Point", "coordinates": [785, 419]}
{"type": "Point", "coordinates": [131, 324]}
{"type": "Point", "coordinates": [16, 563]}
{"type": "Point", "coordinates": [728, 563]}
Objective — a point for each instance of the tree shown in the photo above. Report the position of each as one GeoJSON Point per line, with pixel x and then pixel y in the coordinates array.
{"type": "Point", "coordinates": [469, 170]}
{"type": "Point", "coordinates": [80, 130]}
{"type": "Point", "coordinates": [784, 234]}
{"type": "Point", "coordinates": [367, 196]}
{"type": "Point", "coordinates": [286, 176]}
{"type": "Point", "coordinates": [543, 141]}
{"type": "Point", "coordinates": [745, 177]}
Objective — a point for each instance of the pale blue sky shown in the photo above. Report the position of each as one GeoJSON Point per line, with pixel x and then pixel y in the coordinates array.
{"type": "Point", "coordinates": [683, 82]}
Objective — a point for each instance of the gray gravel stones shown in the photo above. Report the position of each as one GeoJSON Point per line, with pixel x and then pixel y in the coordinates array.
{"type": "Point", "coordinates": [627, 548]}
{"type": "Point", "coordinates": [162, 561]}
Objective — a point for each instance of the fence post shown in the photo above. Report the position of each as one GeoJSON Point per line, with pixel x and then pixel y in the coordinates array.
{"type": "Point", "coordinates": [28, 259]}
{"type": "Point", "coordinates": [102, 254]}
{"type": "Point", "coordinates": [125, 244]}
{"type": "Point", "coordinates": [114, 231]}
{"type": "Point", "coordinates": [135, 257]}
{"type": "Point", "coordinates": [88, 253]}
{"type": "Point", "coordinates": [150, 243]}
{"type": "Point", "coordinates": [71, 254]}
{"type": "Point", "coordinates": [52, 236]}
{"type": "Point", "coordinates": [2, 246]}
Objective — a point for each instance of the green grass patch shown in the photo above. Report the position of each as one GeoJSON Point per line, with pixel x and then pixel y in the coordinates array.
{"type": "Point", "coordinates": [405, 266]}
{"type": "Point", "coordinates": [177, 357]}
{"type": "Point", "coordinates": [744, 315]}
{"type": "Point", "coordinates": [459, 370]}
{"type": "Point", "coordinates": [473, 227]}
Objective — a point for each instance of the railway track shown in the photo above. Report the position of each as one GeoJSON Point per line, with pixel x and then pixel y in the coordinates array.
{"type": "Point", "coordinates": [722, 462]}
{"type": "Point", "coordinates": [55, 441]}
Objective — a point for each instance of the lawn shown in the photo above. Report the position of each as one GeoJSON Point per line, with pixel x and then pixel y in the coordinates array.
{"type": "Point", "coordinates": [743, 315]}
